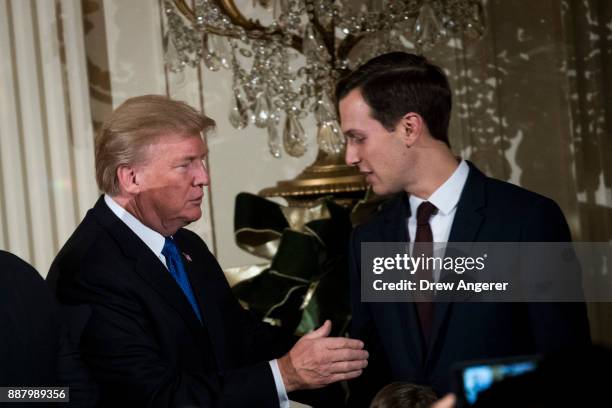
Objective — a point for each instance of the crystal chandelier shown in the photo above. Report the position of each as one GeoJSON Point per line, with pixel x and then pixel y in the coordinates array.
{"type": "Point", "coordinates": [285, 70]}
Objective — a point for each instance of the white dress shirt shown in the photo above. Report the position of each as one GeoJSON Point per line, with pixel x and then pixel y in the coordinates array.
{"type": "Point", "coordinates": [445, 198]}
{"type": "Point", "coordinates": [155, 241]}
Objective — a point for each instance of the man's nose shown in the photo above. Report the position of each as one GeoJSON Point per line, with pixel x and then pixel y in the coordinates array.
{"type": "Point", "coordinates": [350, 156]}
{"type": "Point", "coordinates": [202, 177]}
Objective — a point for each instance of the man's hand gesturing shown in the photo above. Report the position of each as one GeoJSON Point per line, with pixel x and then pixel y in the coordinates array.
{"type": "Point", "coordinates": [317, 360]}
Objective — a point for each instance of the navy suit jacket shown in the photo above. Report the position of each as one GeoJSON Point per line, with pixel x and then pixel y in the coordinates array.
{"type": "Point", "coordinates": [29, 326]}
{"type": "Point", "coordinates": [488, 210]}
{"type": "Point", "coordinates": [142, 341]}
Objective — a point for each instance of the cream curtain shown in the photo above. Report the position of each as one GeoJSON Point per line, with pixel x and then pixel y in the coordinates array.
{"type": "Point", "coordinates": [532, 107]}
{"type": "Point", "coordinates": [46, 149]}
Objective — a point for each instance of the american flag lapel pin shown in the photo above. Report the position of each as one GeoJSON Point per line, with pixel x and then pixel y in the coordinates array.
{"type": "Point", "coordinates": [187, 257]}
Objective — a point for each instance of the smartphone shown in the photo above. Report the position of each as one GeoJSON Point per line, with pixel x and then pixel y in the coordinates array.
{"type": "Point", "coordinates": [471, 378]}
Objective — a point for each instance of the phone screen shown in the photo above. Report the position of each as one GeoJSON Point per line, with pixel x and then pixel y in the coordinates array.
{"type": "Point", "coordinates": [474, 378]}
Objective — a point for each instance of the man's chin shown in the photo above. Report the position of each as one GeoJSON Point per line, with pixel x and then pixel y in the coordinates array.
{"type": "Point", "coordinates": [381, 190]}
{"type": "Point", "coordinates": [192, 215]}
{"type": "Point", "coordinates": [197, 215]}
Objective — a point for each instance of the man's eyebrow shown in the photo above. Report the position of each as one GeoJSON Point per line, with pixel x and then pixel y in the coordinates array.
{"type": "Point", "coordinates": [352, 133]}
{"type": "Point", "coordinates": [192, 157]}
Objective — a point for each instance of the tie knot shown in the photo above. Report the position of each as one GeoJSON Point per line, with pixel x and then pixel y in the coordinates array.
{"type": "Point", "coordinates": [170, 248]}
{"type": "Point", "coordinates": [424, 212]}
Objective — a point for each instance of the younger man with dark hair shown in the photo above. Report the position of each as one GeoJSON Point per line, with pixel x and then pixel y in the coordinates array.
{"type": "Point", "coordinates": [395, 111]}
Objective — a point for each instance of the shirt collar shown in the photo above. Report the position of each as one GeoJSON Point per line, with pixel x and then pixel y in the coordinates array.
{"type": "Point", "coordinates": [446, 197]}
{"type": "Point", "coordinates": [153, 239]}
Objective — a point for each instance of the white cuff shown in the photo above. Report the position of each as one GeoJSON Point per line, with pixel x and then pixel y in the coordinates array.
{"type": "Point", "coordinates": [283, 399]}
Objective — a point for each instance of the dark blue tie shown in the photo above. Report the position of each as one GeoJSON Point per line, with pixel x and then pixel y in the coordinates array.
{"type": "Point", "coordinates": [177, 270]}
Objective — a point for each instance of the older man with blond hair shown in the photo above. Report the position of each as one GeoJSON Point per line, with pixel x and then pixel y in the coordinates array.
{"type": "Point", "coordinates": [165, 329]}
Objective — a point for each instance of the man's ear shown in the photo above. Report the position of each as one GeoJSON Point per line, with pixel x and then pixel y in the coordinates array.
{"type": "Point", "coordinates": [128, 179]}
{"type": "Point", "coordinates": [411, 126]}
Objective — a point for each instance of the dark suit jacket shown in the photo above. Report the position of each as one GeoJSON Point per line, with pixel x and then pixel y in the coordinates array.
{"type": "Point", "coordinates": [29, 327]}
{"type": "Point", "coordinates": [142, 342]}
{"type": "Point", "coordinates": [488, 210]}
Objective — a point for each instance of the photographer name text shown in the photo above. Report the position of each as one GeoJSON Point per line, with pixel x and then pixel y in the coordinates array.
{"type": "Point", "coordinates": [426, 285]}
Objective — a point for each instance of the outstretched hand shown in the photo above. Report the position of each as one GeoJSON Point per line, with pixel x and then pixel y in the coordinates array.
{"type": "Point", "coordinates": [317, 360]}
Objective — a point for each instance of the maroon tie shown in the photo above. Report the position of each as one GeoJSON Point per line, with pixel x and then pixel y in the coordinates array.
{"type": "Point", "coordinates": [423, 245]}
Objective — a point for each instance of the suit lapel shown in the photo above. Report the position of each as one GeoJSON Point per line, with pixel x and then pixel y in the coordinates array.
{"type": "Point", "coordinates": [396, 216]}
{"type": "Point", "coordinates": [469, 217]}
{"type": "Point", "coordinates": [147, 265]}
{"type": "Point", "coordinates": [395, 229]}
{"type": "Point", "coordinates": [465, 228]}
{"type": "Point", "coordinates": [155, 274]}
{"type": "Point", "coordinates": [205, 289]}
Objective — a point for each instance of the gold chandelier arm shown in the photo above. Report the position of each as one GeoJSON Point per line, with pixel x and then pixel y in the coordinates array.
{"type": "Point", "coordinates": [253, 28]}
{"type": "Point", "coordinates": [229, 8]}
{"type": "Point", "coordinates": [185, 10]}
{"type": "Point", "coordinates": [347, 44]}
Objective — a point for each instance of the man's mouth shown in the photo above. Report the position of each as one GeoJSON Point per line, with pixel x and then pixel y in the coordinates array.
{"type": "Point", "coordinates": [367, 174]}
